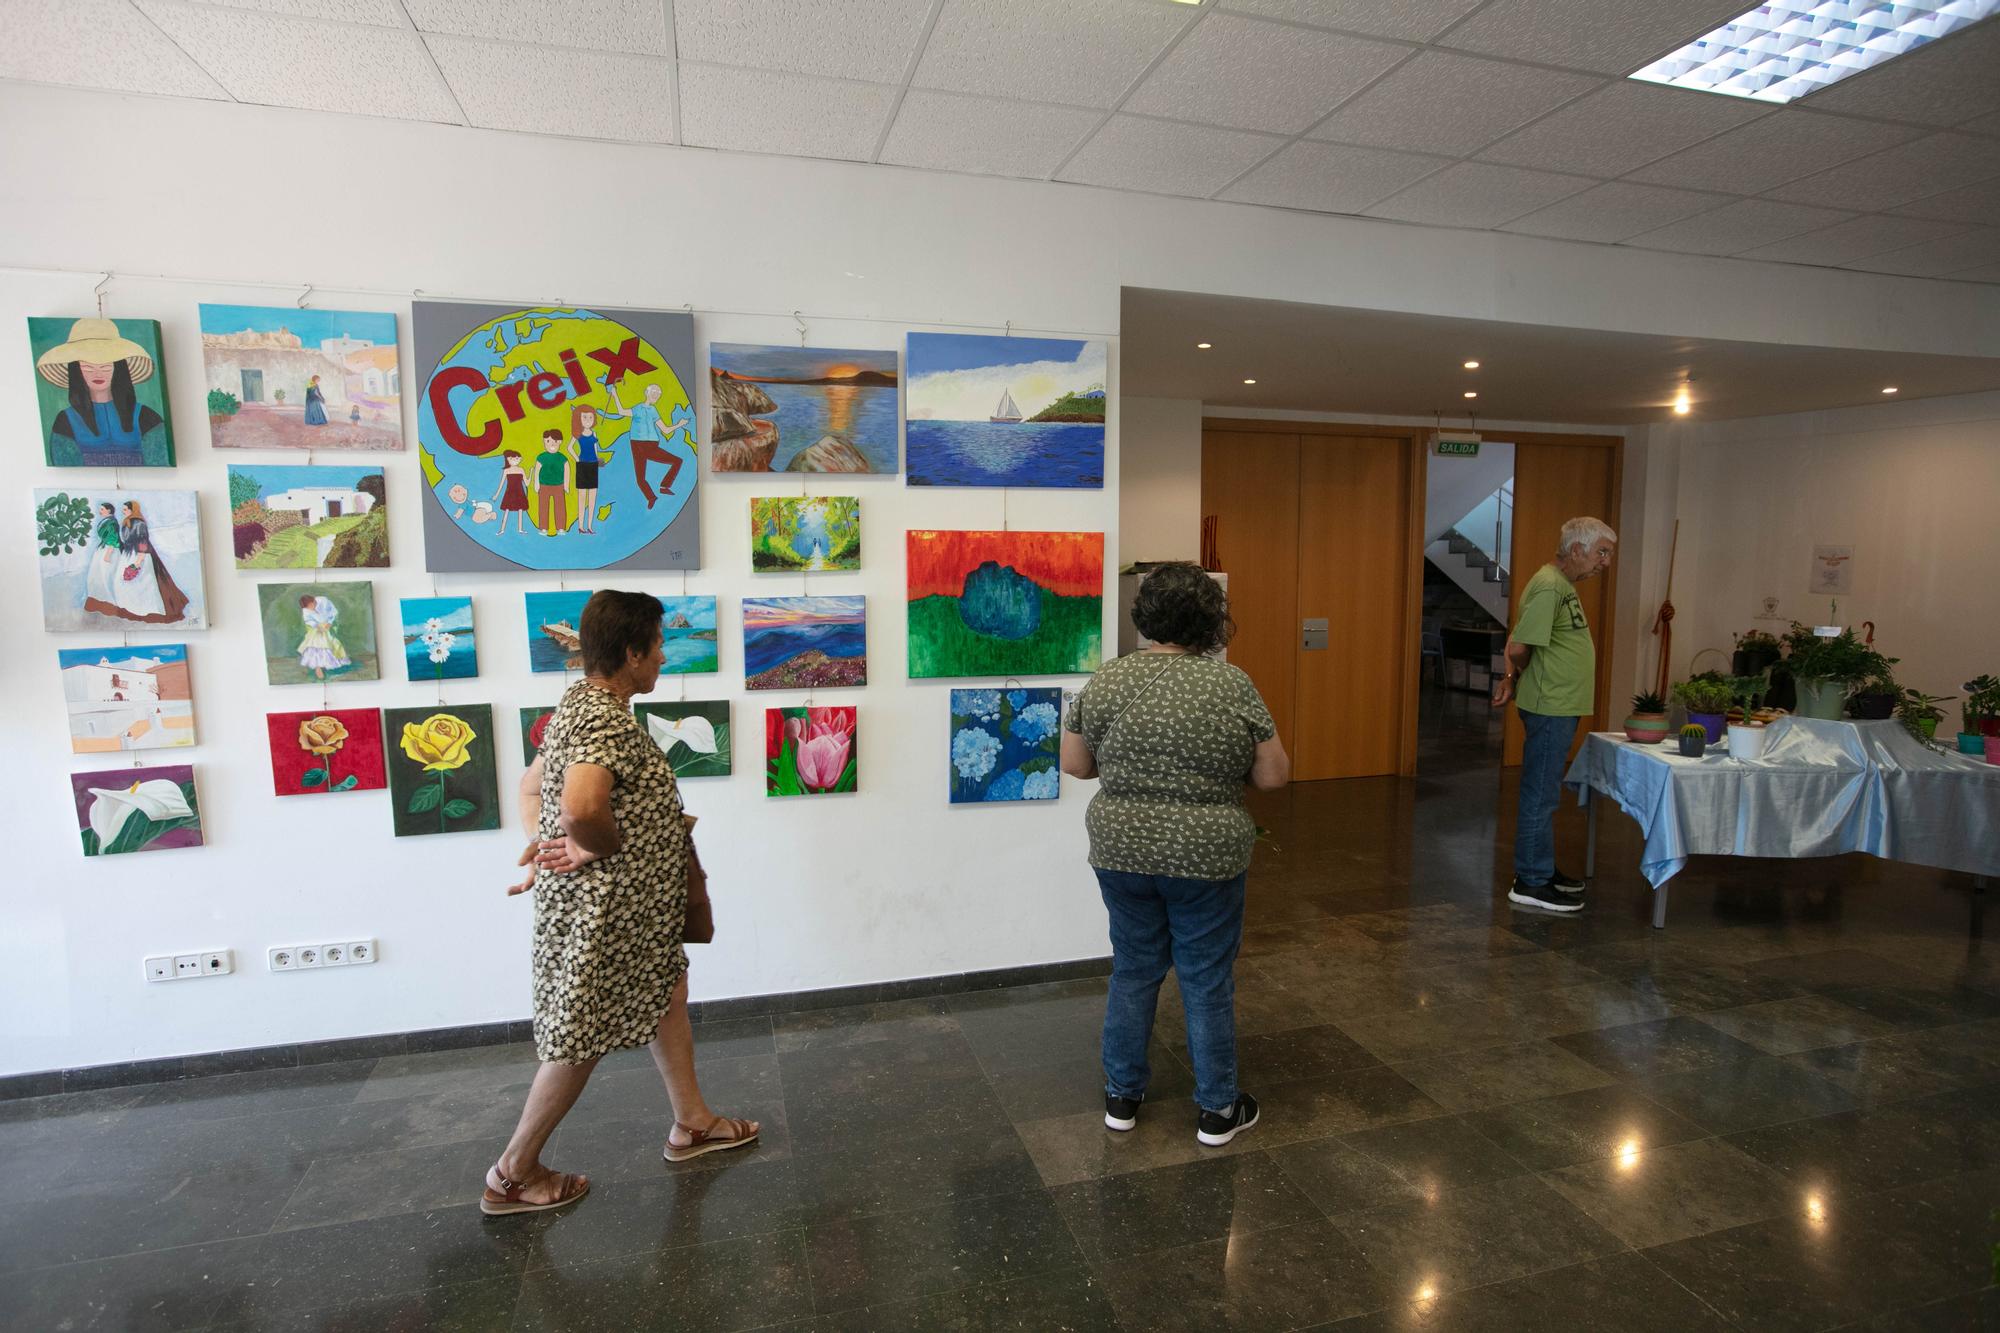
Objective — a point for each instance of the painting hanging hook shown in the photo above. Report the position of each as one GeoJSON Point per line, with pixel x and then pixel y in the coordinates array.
{"type": "Point", "coordinates": [305, 294]}
{"type": "Point", "coordinates": [802, 327]}
{"type": "Point", "coordinates": [98, 292]}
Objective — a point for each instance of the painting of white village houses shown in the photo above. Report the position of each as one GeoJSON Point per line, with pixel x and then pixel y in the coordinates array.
{"type": "Point", "coordinates": [281, 377]}
{"type": "Point", "coordinates": [330, 517]}
{"type": "Point", "coordinates": [132, 698]}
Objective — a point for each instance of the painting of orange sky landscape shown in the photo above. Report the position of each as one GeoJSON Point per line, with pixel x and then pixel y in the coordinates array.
{"type": "Point", "coordinates": [1006, 603]}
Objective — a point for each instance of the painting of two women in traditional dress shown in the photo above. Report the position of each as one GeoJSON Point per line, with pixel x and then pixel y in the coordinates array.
{"type": "Point", "coordinates": [116, 559]}
{"type": "Point", "coordinates": [102, 392]}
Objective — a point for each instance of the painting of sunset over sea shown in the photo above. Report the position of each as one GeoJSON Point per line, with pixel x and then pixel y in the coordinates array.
{"type": "Point", "coordinates": [802, 409]}
{"type": "Point", "coordinates": [1006, 603]}
{"type": "Point", "coordinates": [797, 643]}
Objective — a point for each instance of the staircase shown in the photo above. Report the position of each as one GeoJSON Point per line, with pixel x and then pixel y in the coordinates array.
{"type": "Point", "coordinates": [1478, 565]}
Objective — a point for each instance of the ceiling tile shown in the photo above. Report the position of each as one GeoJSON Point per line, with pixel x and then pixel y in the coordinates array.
{"type": "Point", "coordinates": [766, 111]}
{"type": "Point", "coordinates": [503, 86]}
{"type": "Point", "coordinates": [1968, 203]}
{"type": "Point", "coordinates": [381, 13]}
{"type": "Point", "coordinates": [97, 44]}
{"type": "Point", "coordinates": [1783, 146]}
{"type": "Point", "coordinates": [1986, 124]}
{"type": "Point", "coordinates": [1942, 84]}
{"type": "Point", "coordinates": [1987, 273]}
{"type": "Point", "coordinates": [1624, 126]}
{"type": "Point", "coordinates": [1474, 194]}
{"type": "Point", "coordinates": [1933, 259]}
{"type": "Point", "coordinates": [1047, 50]}
{"type": "Point", "coordinates": [855, 39]}
{"type": "Point", "coordinates": [1410, 20]}
{"type": "Point", "coordinates": [1251, 75]}
{"type": "Point", "coordinates": [1442, 102]}
{"type": "Point", "coordinates": [630, 27]}
{"type": "Point", "coordinates": [1734, 228]}
{"type": "Point", "coordinates": [1603, 36]}
{"type": "Point", "coordinates": [1900, 175]}
{"type": "Point", "coordinates": [1331, 177]}
{"type": "Point", "coordinates": [1847, 241]}
{"type": "Point", "coordinates": [308, 63]}
{"type": "Point", "coordinates": [1614, 211]}
{"type": "Point", "coordinates": [954, 132]}
{"type": "Point", "coordinates": [1136, 154]}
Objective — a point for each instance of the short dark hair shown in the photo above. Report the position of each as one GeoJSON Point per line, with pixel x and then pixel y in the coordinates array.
{"type": "Point", "coordinates": [1178, 603]}
{"type": "Point", "coordinates": [552, 434]}
{"type": "Point", "coordinates": [615, 625]}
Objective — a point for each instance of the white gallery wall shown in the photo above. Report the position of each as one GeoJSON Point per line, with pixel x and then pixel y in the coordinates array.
{"type": "Point", "coordinates": [889, 883]}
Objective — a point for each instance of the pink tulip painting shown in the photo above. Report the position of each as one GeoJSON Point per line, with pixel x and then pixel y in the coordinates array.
{"type": "Point", "coordinates": [810, 751]}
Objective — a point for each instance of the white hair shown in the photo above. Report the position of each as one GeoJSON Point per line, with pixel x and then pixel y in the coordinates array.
{"type": "Point", "coordinates": [1584, 532]}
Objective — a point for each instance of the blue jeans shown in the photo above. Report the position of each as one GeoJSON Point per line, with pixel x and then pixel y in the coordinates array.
{"type": "Point", "coordinates": [1542, 760]}
{"type": "Point", "coordinates": [1194, 926]}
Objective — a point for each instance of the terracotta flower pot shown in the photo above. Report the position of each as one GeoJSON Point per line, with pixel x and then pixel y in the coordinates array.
{"type": "Point", "coordinates": [1646, 728]}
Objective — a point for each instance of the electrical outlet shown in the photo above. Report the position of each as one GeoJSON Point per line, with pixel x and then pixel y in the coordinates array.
{"type": "Point", "coordinates": [219, 964]}
{"type": "Point", "coordinates": [333, 955]}
{"type": "Point", "coordinates": [188, 966]}
{"type": "Point", "coordinates": [308, 955]}
{"type": "Point", "coordinates": [338, 953]}
{"type": "Point", "coordinates": [160, 969]}
{"type": "Point", "coordinates": [361, 951]}
{"type": "Point", "coordinates": [283, 959]}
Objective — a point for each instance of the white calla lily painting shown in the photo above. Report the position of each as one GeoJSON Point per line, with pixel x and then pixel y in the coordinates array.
{"type": "Point", "coordinates": [136, 810]}
{"type": "Point", "coordinates": [694, 734]}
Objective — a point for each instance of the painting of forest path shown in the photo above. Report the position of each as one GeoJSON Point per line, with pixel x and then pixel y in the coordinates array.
{"type": "Point", "coordinates": [1005, 603]}
{"type": "Point", "coordinates": [123, 810]}
{"type": "Point", "coordinates": [326, 750]}
{"type": "Point", "coordinates": [309, 517]}
{"type": "Point", "coordinates": [802, 409]}
{"type": "Point", "coordinates": [987, 411]}
{"type": "Point", "coordinates": [1004, 745]}
{"type": "Point", "coordinates": [811, 751]}
{"type": "Point", "coordinates": [796, 534]}
{"type": "Point", "coordinates": [694, 734]}
{"type": "Point", "coordinates": [797, 643]}
{"type": "Point", "coordinates": [286, 377]}
{"type": "Point", "coordinates": [442, 774]}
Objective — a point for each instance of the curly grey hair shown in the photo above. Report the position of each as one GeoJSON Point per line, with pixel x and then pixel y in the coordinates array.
{"type": "Point", "coordinates": [1584, 532]}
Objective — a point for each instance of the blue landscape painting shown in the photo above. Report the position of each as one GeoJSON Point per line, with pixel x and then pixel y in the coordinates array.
{"type": "Point", "coordinates": [1004, 745]}
{"type": "Point", "coordinates": [553, 621]}
{"type": "Point", "coordinates": [796, 643]}
{"type": "Point", "coordinates": [437, 638]}
{"type": "Point", "coordinates": [802, 409]}
{"type": "Point", "coordinates": [986, 411]}
{"type": "Point", "coordinates": [687, 635]}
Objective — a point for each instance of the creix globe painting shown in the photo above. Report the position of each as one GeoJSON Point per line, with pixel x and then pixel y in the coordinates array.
{"type": "Point", "coordinates": [1004, 745]}
{"type": "Point", "coordinates": [556, 438]}
{"type": "Point", "coordinates": [987, 411]}
{"type": "Point", "coordinates": [1005, 603]}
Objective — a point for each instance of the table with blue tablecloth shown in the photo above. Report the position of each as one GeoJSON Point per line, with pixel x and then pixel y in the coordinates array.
{"type": "Point", "coordinates": [1819, 789]}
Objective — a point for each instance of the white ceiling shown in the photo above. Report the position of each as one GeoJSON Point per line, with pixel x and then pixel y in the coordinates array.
{"type": "Point", "coordinates": [1493, 114]}
{"type": "Point", "coordinates": [1331, 359]}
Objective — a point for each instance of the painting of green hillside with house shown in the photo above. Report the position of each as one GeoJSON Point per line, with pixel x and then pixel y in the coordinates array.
{"type": "Point", "coordinates": [309, 517]}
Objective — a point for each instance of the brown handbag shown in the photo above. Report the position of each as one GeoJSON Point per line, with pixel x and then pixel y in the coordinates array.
{"type": "Point", "coordinates": [699, 927]}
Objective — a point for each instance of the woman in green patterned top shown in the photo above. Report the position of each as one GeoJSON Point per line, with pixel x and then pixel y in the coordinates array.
{"type": "Point", "coordinates": [1174, 735]}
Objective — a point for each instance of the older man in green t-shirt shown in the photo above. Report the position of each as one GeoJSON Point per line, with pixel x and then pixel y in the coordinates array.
{"type": "Point", "coordinates": [1552, 679]}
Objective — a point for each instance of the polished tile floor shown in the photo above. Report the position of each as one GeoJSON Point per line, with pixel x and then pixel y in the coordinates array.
{"type": "Point", "coordinates": [1783, 1113]}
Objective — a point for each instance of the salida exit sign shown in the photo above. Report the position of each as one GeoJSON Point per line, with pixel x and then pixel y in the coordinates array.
{"type": "Point", "coordinates": [1458, 446]}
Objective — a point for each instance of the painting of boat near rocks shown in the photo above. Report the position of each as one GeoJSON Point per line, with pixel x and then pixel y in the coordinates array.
{"type": "Point", "coordinates": [802, 409]}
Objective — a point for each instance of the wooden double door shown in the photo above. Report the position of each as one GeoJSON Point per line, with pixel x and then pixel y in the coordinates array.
{"type": "Point", "coordinates": [1318, 523]}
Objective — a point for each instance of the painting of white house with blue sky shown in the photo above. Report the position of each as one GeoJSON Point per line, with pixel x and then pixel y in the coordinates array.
{"type": "Point", "coordinates": [281, 377]}
{"type": "Point", "coordinates": [309, 517]}
{"type": "Point", "coordinates": [986, 411]}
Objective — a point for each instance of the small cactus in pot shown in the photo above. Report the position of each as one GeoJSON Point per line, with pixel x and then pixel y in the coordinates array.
{"type": "Point", "coordinates": [1694, 740]}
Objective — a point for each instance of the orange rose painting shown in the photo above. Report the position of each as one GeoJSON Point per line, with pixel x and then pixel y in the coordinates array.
{"type": "Point", "coordinates": [326, 750]}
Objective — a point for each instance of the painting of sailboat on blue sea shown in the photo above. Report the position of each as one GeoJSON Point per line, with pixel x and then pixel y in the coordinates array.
{"type": "Point", "coordinates": [986, 411]}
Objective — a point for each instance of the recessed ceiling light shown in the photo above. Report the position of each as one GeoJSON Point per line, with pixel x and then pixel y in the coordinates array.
{"type": "Point", "coordinates": [1204, 346]}
{"type": "Point", "coordinates": [1472, 365]}
{"type": "Point", "coordinates": [1249, 381]}
{"type": "Point", "coordinates": [1890, 389]}
{"type": "Point", "coordinates": [1682, 406]}
{"type": "Point", "coordinates": [1470, 394]}
{"type": "Point", "coordinates": [1778, 52]}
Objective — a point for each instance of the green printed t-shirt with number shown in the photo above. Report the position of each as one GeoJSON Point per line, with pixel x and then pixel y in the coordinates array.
{"type": "Point", "coordinates": [1561, 677]}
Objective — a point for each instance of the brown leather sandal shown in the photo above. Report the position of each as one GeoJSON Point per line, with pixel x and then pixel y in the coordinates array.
{"type": "Point", "coordinates": [742, 1133]}
{"type": "Point", "coordinates": [506, 1199]}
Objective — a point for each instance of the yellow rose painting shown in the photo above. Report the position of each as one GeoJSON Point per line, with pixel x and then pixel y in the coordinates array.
{"type": "Point", "coordinates": [444, 780]}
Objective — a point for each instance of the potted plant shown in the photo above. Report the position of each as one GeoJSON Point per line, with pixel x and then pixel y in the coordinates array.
{"type": "Point", "coordinates": [1693, 741]}
{"type": "Point", "coordinates": [1825, 669]}
{"type": "Point", "coordinates": [1746, 729]}
{"type": "Point", "coordinates": [1756, 652]}
{"type": "Point", "coordinates": [1876, 698]}
{"type": "Point", "coordinates": [1920, 712]}
{"type": "Point", "coordinates": [1706, 699]}
{"type": "Point", "coordinates": [1648, 723]}
{"type": "Point", "coordinates": [1981, 712]}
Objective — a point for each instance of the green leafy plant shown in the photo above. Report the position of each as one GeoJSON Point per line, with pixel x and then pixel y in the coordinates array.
{"type": "Point", "coordinates": [1745, 692]}
{"type": "Point", "coordinates": [1648, 702]}
{"type": "Point", "coordinates": [1982, 700]}
{"type": "Point", "coordinates": [1704, 695]}
{"type": "Point", "coordinates": [1842, 658]}
{"type": "Point", "coordinates": [279, 397]}
{"type": "Point", "coordinates": [222, 403]}
{"type": "Point", "coordinates": [62, 522]}
{"type": "Point", "coordinates": [1756, 640]}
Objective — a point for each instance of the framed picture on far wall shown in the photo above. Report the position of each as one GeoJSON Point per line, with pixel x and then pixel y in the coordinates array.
{"type": "Point", "coordinates": [102, 390]}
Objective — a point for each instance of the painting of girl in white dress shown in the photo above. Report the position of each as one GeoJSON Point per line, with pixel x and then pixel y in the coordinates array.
{"type": "Point", "coordinates": [317, 632]}
{"type": "Point", "coordinates": [115, 559]}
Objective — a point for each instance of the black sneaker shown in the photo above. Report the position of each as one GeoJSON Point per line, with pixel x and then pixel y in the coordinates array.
{"type": "Point", "coordinates": [1567, 883]}
{"type": "Point", "coordinates": [1545, 896]}
{"type": "Point", "coordinates": [1215, 1129]}
{"type": "Point", "coordinates": [1121, 1113]}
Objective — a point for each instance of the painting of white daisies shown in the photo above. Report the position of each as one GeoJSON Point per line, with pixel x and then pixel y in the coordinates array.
{"type": "Point", "coordinates": [1004, 745]}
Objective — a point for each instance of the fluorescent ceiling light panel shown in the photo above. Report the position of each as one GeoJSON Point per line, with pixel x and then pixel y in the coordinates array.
{"type": "Point", "coordinates": [1775, 53]}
